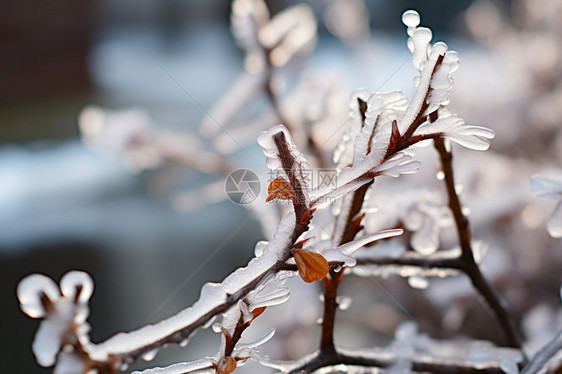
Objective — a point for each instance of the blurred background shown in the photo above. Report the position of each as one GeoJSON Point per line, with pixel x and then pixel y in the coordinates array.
{"type": "Point", "coordinates": [64, 205]}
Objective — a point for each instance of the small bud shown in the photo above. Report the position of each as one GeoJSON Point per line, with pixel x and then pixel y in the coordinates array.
{"type": "Point", "coordinates": [258, 311]}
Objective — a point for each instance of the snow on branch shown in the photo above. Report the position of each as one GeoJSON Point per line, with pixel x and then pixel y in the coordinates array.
{"type": "Point", "coordinates": [309, 241]}
{"type": "Point", "coordinates": [234, 297]}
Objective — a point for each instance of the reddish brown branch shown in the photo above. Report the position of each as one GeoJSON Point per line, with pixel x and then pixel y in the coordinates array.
{"type": "Point", "coordinates": [469, 265]}
{"type": "Point", "coordinates": [303, 216]}
{"type": "Point", "coordinates": [419, 364]}
{"type": "Point", "coordinates": [420, 118]}
{"type": "Point", "coordinates": [414, 260]}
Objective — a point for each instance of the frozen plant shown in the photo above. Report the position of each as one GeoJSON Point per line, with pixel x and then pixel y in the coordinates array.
{"type": "Point", "coordinates": [325, 231]}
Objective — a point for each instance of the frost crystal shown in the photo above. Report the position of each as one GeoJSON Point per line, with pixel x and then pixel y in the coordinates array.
{"type": "Point", "coordinates": [344, 252]}
{"type": "Point", "coordinates": [182, 368]}
{"type": "Point", "coordinates": [30, 290]}
{"type": "Point", "coordinates": [454, 127]}
{"type": "Point", "coordinates": [265, 140]}
{"type": "Point", "coordinates": [40, 297]}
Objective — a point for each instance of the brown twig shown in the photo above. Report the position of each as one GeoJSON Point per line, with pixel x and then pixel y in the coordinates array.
{"type": "Point", "coordinates": [414, 260]}
{"type": "Point", "coordinates": [332, 281]}
{"type": "Point", "coordinates": [469, 265]}
{"type": "Point", "coordinates": [421, 363]}
{"type": "Point", "coordinates": [303, 217]}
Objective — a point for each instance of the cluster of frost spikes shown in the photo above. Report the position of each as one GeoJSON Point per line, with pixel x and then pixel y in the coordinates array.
{"type": "Point", "coordinates": [238, 297]}
{"type": "Point", "coordinates": [410, 350]}
{"type": "Point", "coordinates": [435, 64]}
{"type": "Point", "coordinates": [64, 312]}
{"type": "Point", "coordinates": [383, 127]}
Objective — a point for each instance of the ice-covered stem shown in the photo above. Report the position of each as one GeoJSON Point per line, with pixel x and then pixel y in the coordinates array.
{"type": "Point", "coordinates": [469, 265]}
{"type": "Point", "coordinates": [423, 364]}
{"type": "Point", "coordinates": [399, 142]}
{"type": "Point", "coordinates": [542, 358]}
{"type": "Point", "coordinates": [419, 117]}
{"type": "Point", "coordinates": [414, 259]}
{"type": "Point", "coordinates": [289, 165]}
{"type": "Point", "coordinates": [332, 281]}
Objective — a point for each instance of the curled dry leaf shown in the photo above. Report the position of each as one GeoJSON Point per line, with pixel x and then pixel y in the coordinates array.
{"type": "Point", "coordinates": [280, 189]}
{"type": "Point", "coordinates": [312, 266]}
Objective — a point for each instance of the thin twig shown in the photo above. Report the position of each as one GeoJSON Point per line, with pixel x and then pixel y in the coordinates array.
{"type": "Point", "coordinates": [332, 280]}
{"type": "Point", "coordinates": [303, 217]}
{"type": "Point", "coordinates": [414, 260]}
{"type": "Point", "coordinates": [470, 267]}
{"type": "Point", "coordinates": [420, 363]}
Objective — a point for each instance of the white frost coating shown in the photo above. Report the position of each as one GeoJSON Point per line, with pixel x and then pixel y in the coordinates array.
{"type": "Point", "coordinates": [265, 140]}
{"type": "Point", "coordinates": [394, 105]}
{"type": "Point", "coordinates": [344, 252]}
{"type": "Point", "coordinates": [182, 368]}
{"type": "Point", "coordinates": [47, 342]}
{"type": "Point", "coordinates": [73, 279]}
{"type": "Point", "coordinates": [272, 294]}
{"type": "Point", "coordinates": [69, 364]}
{"type": "Point", "coordinates": [418, 44]}
{"type": "Point", "coordinates": [454, 127]}
{"type": "Point", "coordinates": [62, 316]}
{"type": "Point", "coordinates": [550, 188]}
{"type": "Point", "coordinates": [419, 97]}
{"type": "Point", "coordinates": [248, 346]}
{"type": "Point", "coordinates": [29, 292]}
{"type": "Point", "coordinates": [321, 201]}
{"type": "Point", "coordinates": [400, 163]}
{"type": "Point", "coordinates": [411, 18]}
{"type": "Point", "coordinates": [212, 295]}
{"type": "Point", "coordinates": [343, 154]}
{"type": "Point", "coordinates": [382, 109]}
{"type": "Point", "coordinates": [442, 82]}
{"type": "Point", "coordinates": [247, 315]}
{"type": "Point", "coordinates": [353, 177]}
{"type": "Point", "coordinates": [257, 266]}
